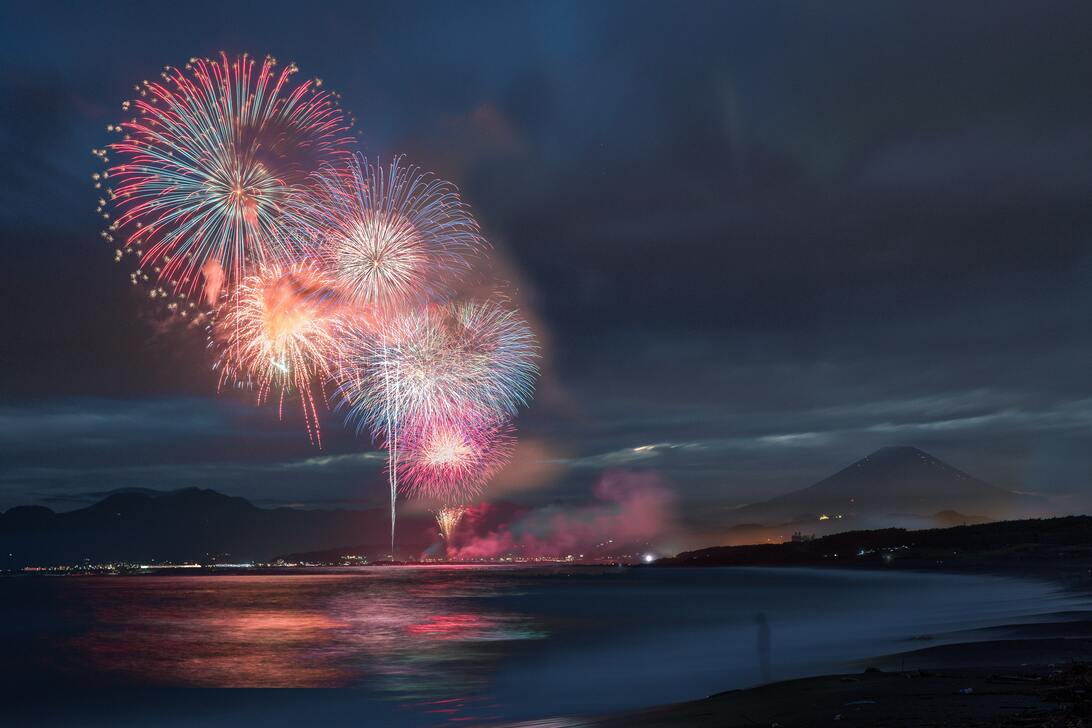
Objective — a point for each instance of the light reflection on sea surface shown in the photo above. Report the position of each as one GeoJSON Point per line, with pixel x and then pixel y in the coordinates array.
{"type": "Point", "coordinates": [407, 634]}
{"type": "Point", "coordinates": [425, 645]}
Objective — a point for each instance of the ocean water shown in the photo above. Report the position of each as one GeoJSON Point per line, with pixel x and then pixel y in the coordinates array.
{"type": "Point", "coordinates": [468, 645]}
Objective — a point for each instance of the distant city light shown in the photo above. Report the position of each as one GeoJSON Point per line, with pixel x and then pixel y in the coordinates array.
{"type": "Point", "coordinates": [649, 558]}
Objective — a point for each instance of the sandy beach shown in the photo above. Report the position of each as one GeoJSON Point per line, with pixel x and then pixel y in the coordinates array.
{"type": "Point", "coordinates": [1033, 674]}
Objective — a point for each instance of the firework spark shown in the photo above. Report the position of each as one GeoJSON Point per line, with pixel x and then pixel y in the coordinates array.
{"type": "Point", "coordinates": [392, 235]}
{"type": "Point", "coordinates": [234, 184]}
{"type": "Point", "coordinates": [278, 331]}
{"type": "Point", "coordinates": [216, 153]}
{"type": "Point", "coordinates": [447, 518]}
{"type": "Point", "coordinates": [452, 461]}
{"type": "Point", "coordinates": [437, 363]}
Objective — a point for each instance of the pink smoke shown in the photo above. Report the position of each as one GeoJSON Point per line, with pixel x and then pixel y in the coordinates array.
{"type": "Point", "coordinates": [214, 280]}
{"type": "Point", "coordinates": [629, 510]}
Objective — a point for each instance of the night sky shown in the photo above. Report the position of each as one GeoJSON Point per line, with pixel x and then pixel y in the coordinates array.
{"type": "Point", "coordinates": [759, 240]}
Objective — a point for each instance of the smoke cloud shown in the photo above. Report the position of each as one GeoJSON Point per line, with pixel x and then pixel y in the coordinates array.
{"type": "Point", "coordinates": [629, 509]}
{"type": "Point", "coordinates": [214, 280]}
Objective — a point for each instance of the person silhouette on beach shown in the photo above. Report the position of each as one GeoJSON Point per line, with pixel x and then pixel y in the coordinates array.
{"type": "Point", "coordinates": [763, 646]}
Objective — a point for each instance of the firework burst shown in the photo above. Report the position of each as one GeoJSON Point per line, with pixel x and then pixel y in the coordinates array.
{"type": "Point", "coordinates": [392, 235]}
{"type": "Point", "coordinates": [216, 153]}
{"type": "Point", "coordinates": [437, 363]}
{"type": "Point", "coordinates": [447, 518]}
{"type": "Point", "coordinates": [451, 461]}
{"type": "Point", "coordinates": [278, 332]}
{"type": "Point", "coordinates": [234, 183]}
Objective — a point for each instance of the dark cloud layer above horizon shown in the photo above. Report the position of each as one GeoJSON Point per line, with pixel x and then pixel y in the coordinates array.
{"type": "Point", "coordinates": [762, 239]}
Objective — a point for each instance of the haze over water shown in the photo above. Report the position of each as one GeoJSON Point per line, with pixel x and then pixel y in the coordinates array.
{"type": "Point", "coordinates": [436, 644]}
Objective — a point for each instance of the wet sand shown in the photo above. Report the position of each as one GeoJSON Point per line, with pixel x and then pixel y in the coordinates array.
{"type": "Point", "coordinates": [1037, 674]}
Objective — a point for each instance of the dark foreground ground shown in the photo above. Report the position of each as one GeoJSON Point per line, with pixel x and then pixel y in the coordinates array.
{"type": "Point", "coordinates": [1035, 696]}
{"type": "Point", "coordinates": [1021, 675]}
{"type": "Point", "coordinates": [1056, 548]}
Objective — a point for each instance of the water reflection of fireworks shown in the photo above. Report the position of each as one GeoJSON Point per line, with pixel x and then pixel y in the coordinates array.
{"type": "Point", "coordinates": [421, 638]}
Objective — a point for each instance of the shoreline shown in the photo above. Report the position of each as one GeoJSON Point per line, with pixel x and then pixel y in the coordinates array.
{"type": "Point", "coordinates": [1031, 673]}
{"type": "Point", "coordinates": [984, 697]}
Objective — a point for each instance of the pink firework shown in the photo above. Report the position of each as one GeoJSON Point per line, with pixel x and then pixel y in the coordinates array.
{"type": "Point", "coordinates": [279, 332]}
{"type": "Point", "coordinates": [452, 460]}
{"type": "Point", "coordinates": [215, 154]}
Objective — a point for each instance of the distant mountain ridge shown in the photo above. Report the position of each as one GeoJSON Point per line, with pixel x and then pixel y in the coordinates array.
{"type": "Point", "coordinates": [192, 524]}
{"type": "Point", "coordinates": [891, 482]}
{"type": "Point", "coordinates": [894, 486]}
{"type": "Point", "coordinates": [1035, 544]}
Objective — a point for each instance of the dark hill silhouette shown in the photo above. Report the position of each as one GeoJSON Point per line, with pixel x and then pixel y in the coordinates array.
{"type": "Point", "coordinates": [1037, 544]}
{"type": "Point", "coordinates": [192, 525]}
{"type": "Point", "coordinates": [893, 481]}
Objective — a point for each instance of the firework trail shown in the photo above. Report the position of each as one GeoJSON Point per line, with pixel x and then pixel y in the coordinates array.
{"type": "Point", "coordinates": [393, 236]}
{"type": "Point", "coordinates": [279, 332]}
{"type": "Point", "coordinates": [447, 518]}
{"type": "Point", "coordinates": [216, 153]}
{"type": "Point", "coordinates": [439, 365]}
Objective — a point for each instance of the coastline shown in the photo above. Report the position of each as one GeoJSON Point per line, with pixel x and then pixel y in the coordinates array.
{"type": "Point", "coordinates": [1031, 673]}
{"type": "Point", "coordinates": [987, 697]}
